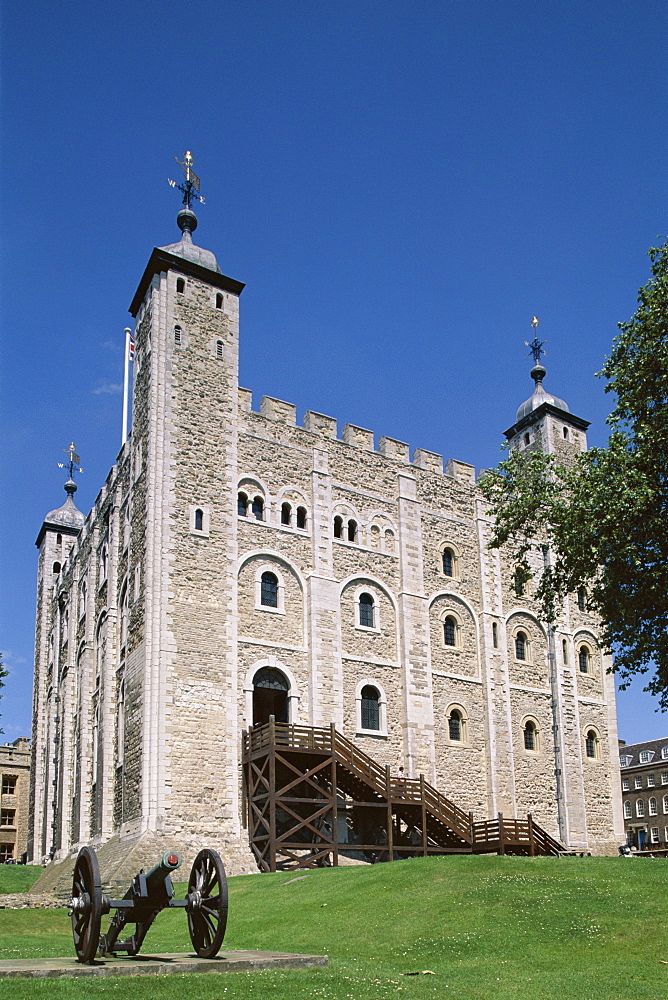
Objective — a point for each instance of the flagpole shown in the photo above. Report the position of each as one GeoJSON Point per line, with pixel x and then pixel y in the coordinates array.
{"type": "Point", "coordinates": [126, 380]}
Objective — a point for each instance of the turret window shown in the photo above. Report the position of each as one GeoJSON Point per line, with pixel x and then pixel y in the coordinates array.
{"type": "Point", "coordinates": [219, 350]}
{"type": "Point", "coordinates": [180, 286]}
{"type": "Point", "coordinates": [177, 335]}
{"type": "Point", "coordinates": [219, 301]}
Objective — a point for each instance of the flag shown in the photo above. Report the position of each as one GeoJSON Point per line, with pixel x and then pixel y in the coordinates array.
{"type": "Point", "coordinates": [131, 347]}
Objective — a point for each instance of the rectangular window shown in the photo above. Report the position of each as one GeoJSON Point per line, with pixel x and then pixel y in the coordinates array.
{"type": "Point", "coordinates": [628, 812]}
{"type": "Point", "coordinates": [645, 756]}
{"type": "Point", "coordinates": [664, 777]}
{"type": "Point", "coordinates": [7, 817]}
{"type": "Point", "coordinates": [655, 835]}
{"type": "Point", "coordinates": [6, 852]}
{"type": "Point", "coordinates": [650, 780]}
{"type": "Point", "coordinates": [638, 782]}
{"type": "Point", "coordinates": [8, 784]}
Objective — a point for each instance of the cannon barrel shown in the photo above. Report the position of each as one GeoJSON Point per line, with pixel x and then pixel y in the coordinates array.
{"type": "Point", "coordinates": [169, 862]}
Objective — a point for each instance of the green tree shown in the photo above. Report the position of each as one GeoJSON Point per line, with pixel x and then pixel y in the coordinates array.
{"type": "Point", "coordinates": [603, 519]}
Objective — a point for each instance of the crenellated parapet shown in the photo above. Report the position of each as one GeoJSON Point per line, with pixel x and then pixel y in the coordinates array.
{"type": "Point", "coordinates": [279, 412]}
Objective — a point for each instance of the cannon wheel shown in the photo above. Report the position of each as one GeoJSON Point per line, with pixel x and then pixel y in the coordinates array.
{"type": "Point", "coordinates": [207, 903]}
{"type": "Point", "coordinates": [86, 906]}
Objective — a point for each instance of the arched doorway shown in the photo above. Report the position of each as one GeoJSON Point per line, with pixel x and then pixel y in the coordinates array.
{"type": "Point", "coordinates": [270, 696]}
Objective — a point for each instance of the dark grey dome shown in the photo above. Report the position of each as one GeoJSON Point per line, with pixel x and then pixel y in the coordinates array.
{"type": "Point", "coordinates": [539, 396]}
{"type": "Point", "coordinates": [187, 222]}
{"type": "Point", "coordinates": [68, 515]}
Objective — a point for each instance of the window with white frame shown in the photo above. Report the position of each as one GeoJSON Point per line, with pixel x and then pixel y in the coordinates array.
{"type": "Point", "coordinates": [457, 723]}
{"type": "Point", "coordinates": [625, 760]}
{"type": "Point", "coordinates": [654, 835]}
{"type": "Point", "coordinates": [646, 756]}
{"type": "Point", "coordinates": [637, 781]}
{"type": "Point", "coordinates": [640, 807]}
{"type": "Point", "coordinates": [650, 780]}
{"type": "Point", "coordinates": [366, 611]}
{"type": "Point", "coordinates": [664, 777]}
{"type": "Point", "coordinates": [664, 753]}
{"type": "Point", "coordinates": [200, 518]}
{"type": "Point", "coordinates": [653, 808]}
{"type": "Point", "coordinates": [628, 811]}
{"type": "Point", "coordinates": [269, 590]}
{"type": "Point", "coordinates": [592, 744]}
{"type": "Point", "coordinates": [665, 803]}
{"type": "Point", "coordinates": [530, 735]}
{"type": "Point", "coordinates": [371, 708]}
{"type": "Point", "coordinates": [626, 785]}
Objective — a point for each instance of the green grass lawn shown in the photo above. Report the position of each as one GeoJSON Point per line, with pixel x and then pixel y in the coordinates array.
{"type": "Point", "coordinates": [488, 928]}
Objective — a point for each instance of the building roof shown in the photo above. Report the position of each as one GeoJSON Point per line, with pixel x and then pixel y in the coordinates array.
{"type": "Point", "coordinates": [629, 754]}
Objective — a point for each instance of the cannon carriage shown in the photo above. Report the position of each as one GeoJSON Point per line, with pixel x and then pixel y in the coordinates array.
{"type": "Point", "coordinates": [150, 892]}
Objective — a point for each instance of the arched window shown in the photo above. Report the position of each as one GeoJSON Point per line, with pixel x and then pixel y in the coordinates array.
{"type": "Point", "coordinates": [653, 808]}
{"type": "Point", "coordinates": [352, 530]}
{"type": "Point", "coordinates": [177, 335]}
{"type": "Point", "coordinates": [665, 803]}
{"type": "Point", "coordinates": [199, 519]}
{"type": "Point", "coordinates": [301, 518]}
{"type": "Point", "coordinates": [219, 350]}
{"type": "Point", "coordinates": [366, 613]}
{"type": "Point", "coordinates": [374, 534]}
{"type": "Point", "coordinates": [370, 708]}
{"type": "Point", "coordinates": [521, 646]}
{"type": "Point", "coordinates": [286, 513]}
{"type": "Point", "coordinates": [242, 505]}
{"type": "Point", "coordinates": [530, 735]}
{"type": "Point", "coordinates": [566, 433]}
{"type": "Point", "coordinates": [518, 583]}
{"type": "Point", "coordinates": [448, 560]}
{"type": "Point", "coordinates": [59, 539]}
{"type": "Point", "coordinates": [219, 301]}
{"type": "Point", "coordinates": [258, 508]}
{"type": "Point", "coordinates": [389, 540]}
{"type": "Point", "coordinates": [583, 659]}
{"type": "Point", "coordinates": [640, 807]}
{"type": "Point", "coordinates": [456, 726]}
{"type": "Point", "coordinates": [526, 438]}
{"type": "Point", "coordinates": [180, 285]}
{"type": "Point", "coordinates": [582, 599]}
{"type": "Point", "coordinates": [591, 744]}
{"type": "Point", "coordinates": [495, 635]}
{"type": "Point", "coordinates": [450, 631]}
{"type": "Point", "coordinates": [564, 651]}
{"type": "Point", "coordinates": [56, 568]}
{"type": "Point", "coordinates": [338, 526]}
{"type": "Point", "coordinates": [269, 590]}
{"type": "Point", "coordinates": [628, 811]}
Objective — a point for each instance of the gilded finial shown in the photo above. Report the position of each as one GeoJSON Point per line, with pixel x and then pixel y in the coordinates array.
{"type": "Point", "coordinates": [190, 187]}
{"type": "Point", "coordinates": [536, 345]}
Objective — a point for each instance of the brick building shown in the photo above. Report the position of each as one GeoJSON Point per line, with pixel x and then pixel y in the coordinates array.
{"type": "Point", "coordinates": [238, 564]}
{"type": "Point", "coordinates": [15, 775]}
{"type": "Point", "coordinates": [644, 776]}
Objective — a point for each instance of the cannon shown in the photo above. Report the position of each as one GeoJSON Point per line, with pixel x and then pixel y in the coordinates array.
{"type": "Point", "coordinates": [149, 893]}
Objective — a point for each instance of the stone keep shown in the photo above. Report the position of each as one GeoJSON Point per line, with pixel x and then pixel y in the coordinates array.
{"type": "Point", "coordinates": [152, 624]}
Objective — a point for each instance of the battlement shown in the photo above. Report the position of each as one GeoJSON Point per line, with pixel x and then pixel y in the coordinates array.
{"type": "Point", "coordinates": [280, 412]}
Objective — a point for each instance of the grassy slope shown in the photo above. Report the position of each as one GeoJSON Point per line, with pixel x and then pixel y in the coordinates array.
{"type": "Point", "coordinates": [502, 928]}
{"type": "Point", "coordinates": [18, 878]}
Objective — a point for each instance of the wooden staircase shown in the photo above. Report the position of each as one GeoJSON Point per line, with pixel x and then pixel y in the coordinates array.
{"type": "Point", "coordinates": [311, 796]}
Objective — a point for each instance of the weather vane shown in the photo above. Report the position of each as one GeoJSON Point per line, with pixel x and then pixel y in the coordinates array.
{"type": "Point", "coordinates": [73, 463]}
{"type": "Point", "coordinates": [190, 187]}
{"type": "Point", "coordinates": [536, 345]}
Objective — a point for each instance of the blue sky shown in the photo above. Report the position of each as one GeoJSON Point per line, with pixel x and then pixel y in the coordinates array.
{"type": "Point", "coordinates": [401, 185]}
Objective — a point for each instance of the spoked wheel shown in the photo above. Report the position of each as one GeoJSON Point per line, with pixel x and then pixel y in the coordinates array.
{"type": "Point", "coordinates": [207, 904]}
{"type": "Point", "coordinates": [86, 906]}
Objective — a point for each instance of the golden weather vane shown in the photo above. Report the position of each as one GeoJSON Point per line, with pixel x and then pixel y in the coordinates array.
{"type": "Point", "coordinates": [536, 345]}
{"type": "Point", "coordinates": [73, 460]}
{"type": "Point", "coordinates": [190, 186]}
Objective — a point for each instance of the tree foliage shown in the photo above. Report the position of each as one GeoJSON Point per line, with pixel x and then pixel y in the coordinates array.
{"type": "Point", "coordinates": [602, 520]}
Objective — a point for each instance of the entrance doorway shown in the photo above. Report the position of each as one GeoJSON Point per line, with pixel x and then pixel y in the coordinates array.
{"type": "Point", "coordinates": [270, 696]}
